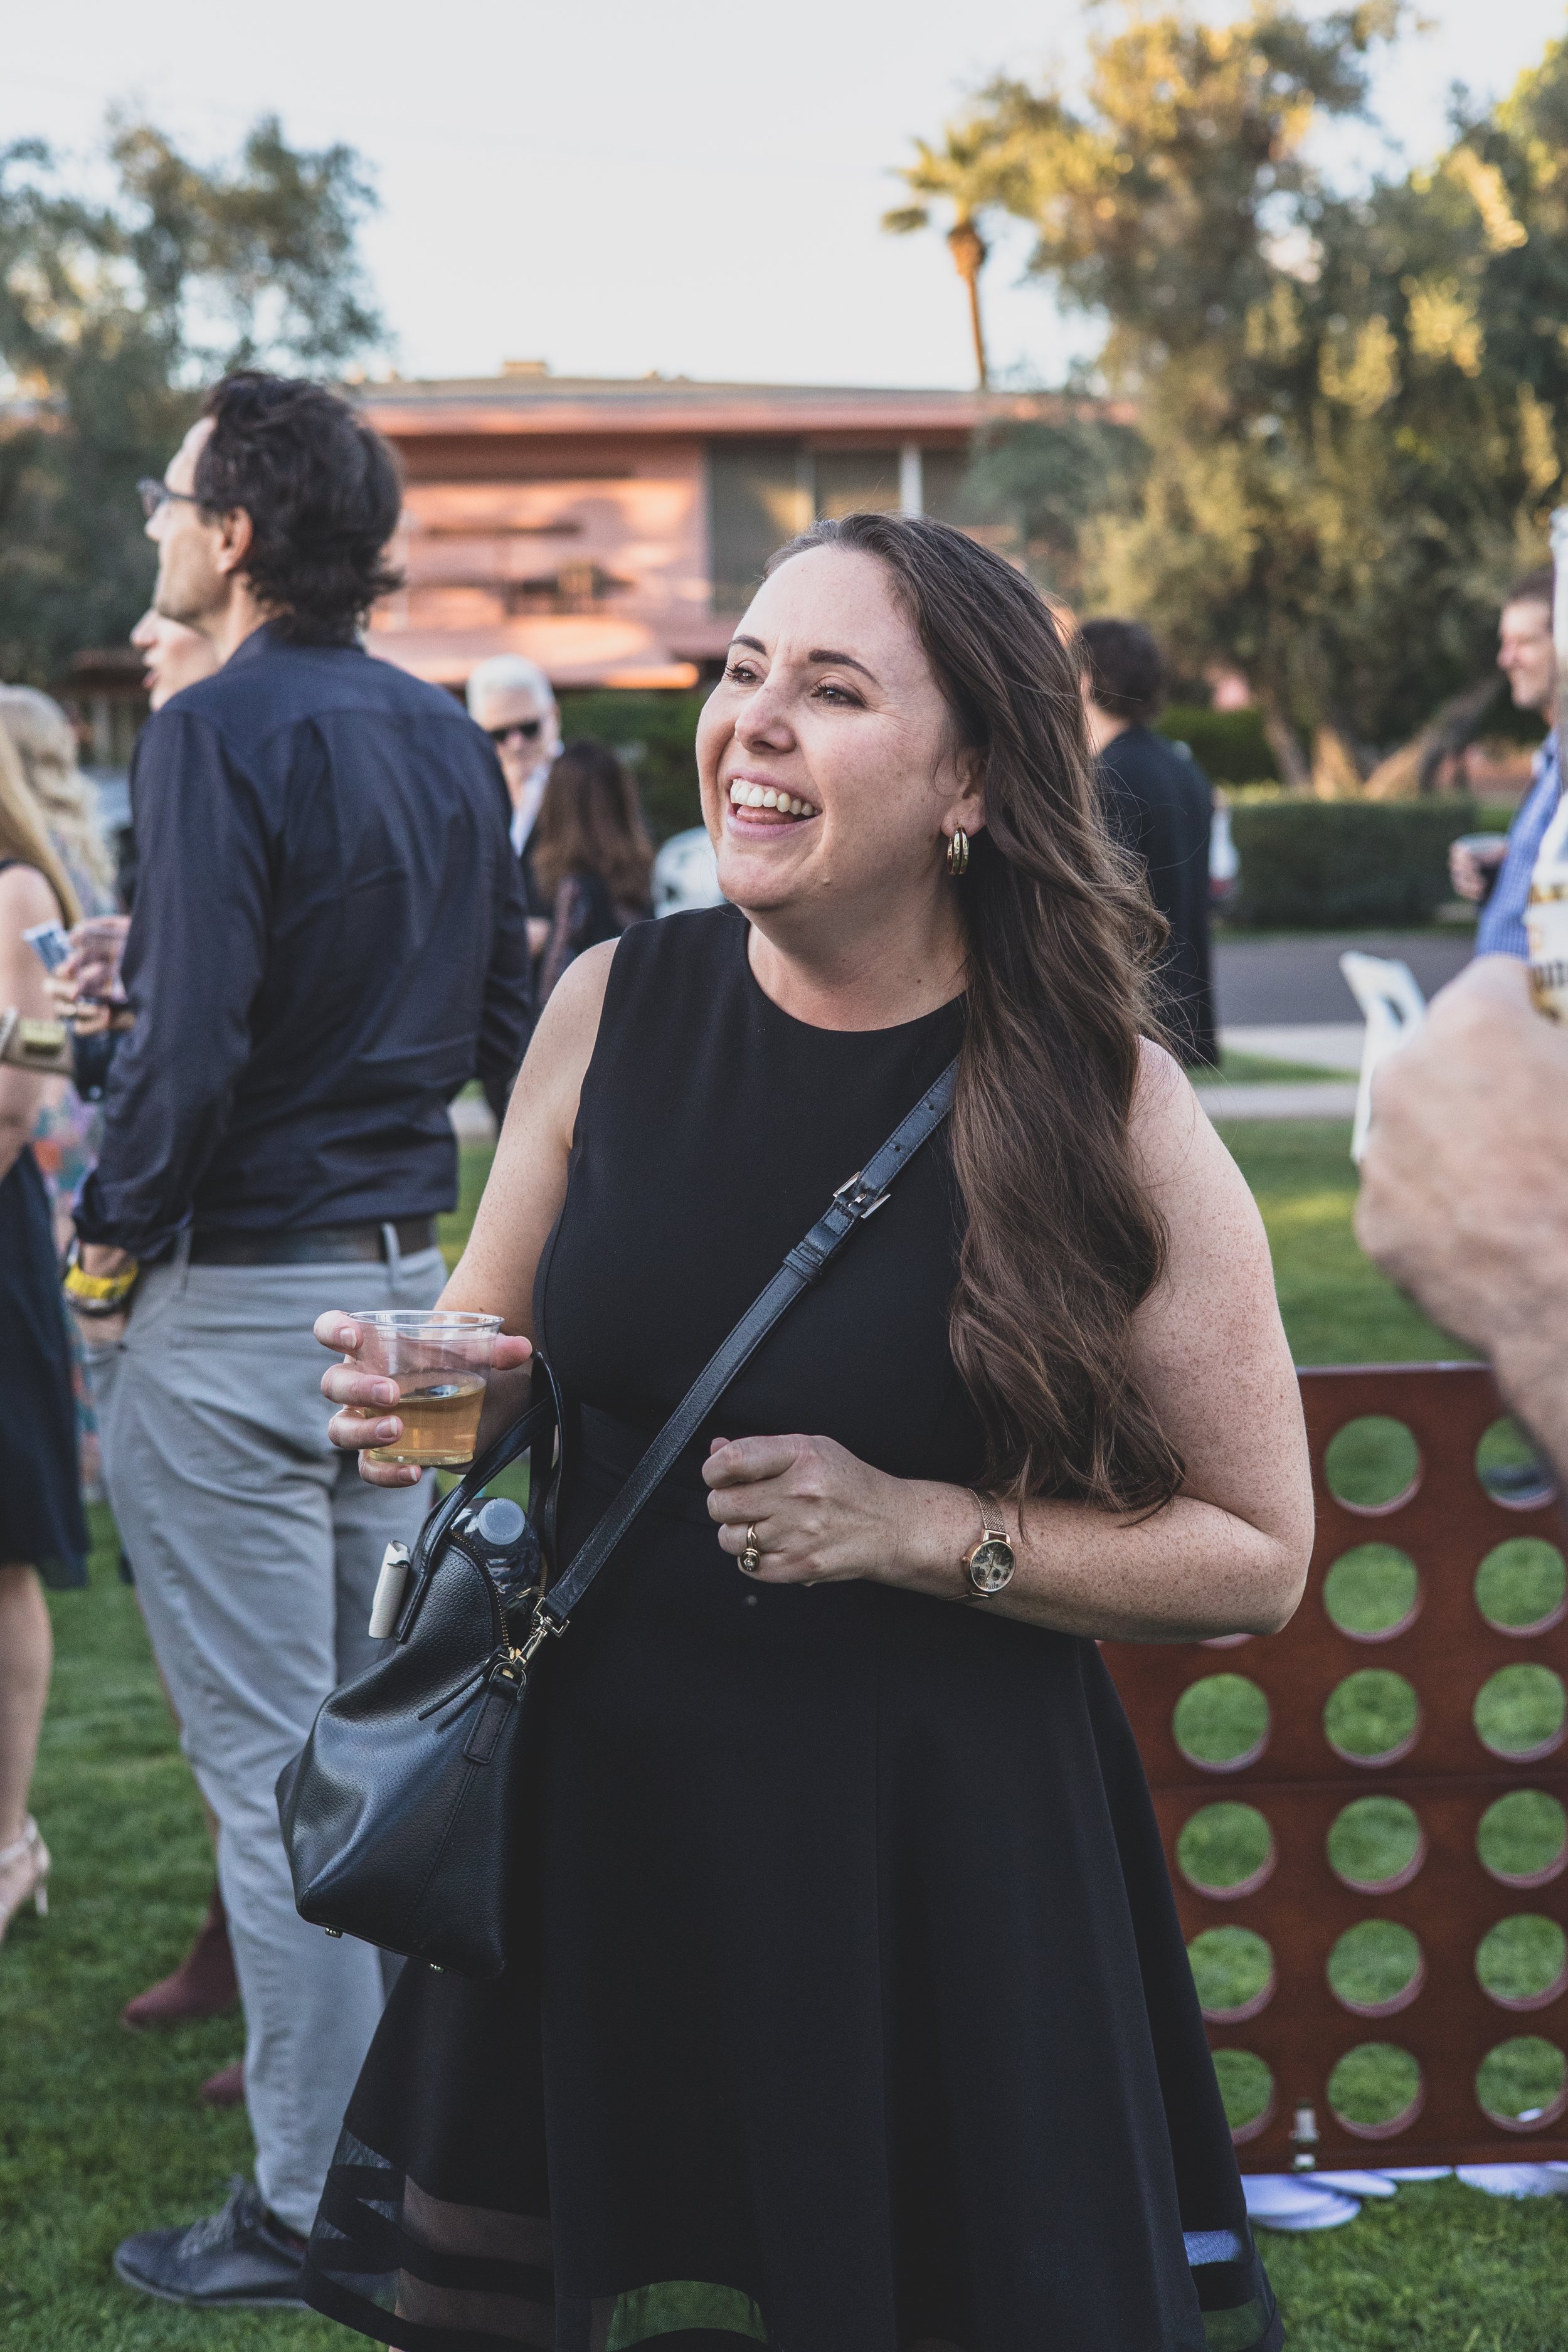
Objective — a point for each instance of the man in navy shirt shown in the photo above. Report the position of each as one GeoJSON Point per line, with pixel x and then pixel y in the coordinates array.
{"type": "Point", "coordinates": [329, 938]}
{"type": "Point", "coordinates": [1158, 804]}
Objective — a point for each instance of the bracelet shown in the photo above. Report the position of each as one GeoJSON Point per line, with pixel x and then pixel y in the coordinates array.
{"type": "Point", "coordinates": [97, 1293]}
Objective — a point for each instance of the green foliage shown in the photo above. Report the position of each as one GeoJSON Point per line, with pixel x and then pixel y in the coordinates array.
{"type": "Point", "coordinates": [1045, 483]}
{"type": "Point", "coordinates": [655, 734]}
{"type": "Point", "coordinates": [1310, 865]}
{"type": "Point", "coordinates": [1231, 747]}
{"type": "Point", "coordinates": [1350, 403]}
{"type": "Point", "coordinates": [113, 316]}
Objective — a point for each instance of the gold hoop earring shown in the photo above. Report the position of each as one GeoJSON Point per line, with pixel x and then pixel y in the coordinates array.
{"type": "Point", "coordinates": [958, 854]}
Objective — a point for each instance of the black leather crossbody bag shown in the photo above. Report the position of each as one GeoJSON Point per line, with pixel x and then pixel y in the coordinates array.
{"type": "Point", "coordinates": [404, 1814]}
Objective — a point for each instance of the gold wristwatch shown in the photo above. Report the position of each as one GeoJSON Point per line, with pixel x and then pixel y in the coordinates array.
{"type": "Point", "coordinates": [989, 1564]}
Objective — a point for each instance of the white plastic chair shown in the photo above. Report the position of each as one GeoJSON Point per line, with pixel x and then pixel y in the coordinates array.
{"type": "Point", "coordinates": [1391, 1000]}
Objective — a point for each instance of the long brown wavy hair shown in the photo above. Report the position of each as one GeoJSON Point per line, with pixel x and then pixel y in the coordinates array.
{"type": "Point", "coordinates": [1061, 1239]}
{"type": "Point", "coordinates": [591, 821]}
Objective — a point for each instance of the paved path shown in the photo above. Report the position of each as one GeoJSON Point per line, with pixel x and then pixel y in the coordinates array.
{"type": "Point", "coordinates": [1296, 979]}
{"type": "Point", "coordinates": [1311, 1099]}
{"type": "Point", "coordinates": [1333, 1045]}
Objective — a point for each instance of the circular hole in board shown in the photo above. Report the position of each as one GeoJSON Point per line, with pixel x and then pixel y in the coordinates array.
{"type": "Point", "coordinates": [1377, 1845]}
{"type": "Point", "coordinates": [1522, 1838]}
{"type": "Point", "coordinates": [1522, 2084]}
{"type": "Point", "coordinates": [1221, 1723]}
{"type": "Point", "coordinates": [1376, 2090]}
{"type": "Point", "coordinates": [1372, 1717]}
{"type": "Point", "coordinates": [1226, 1851]}
{"type": "Point", "coordinates": [1373, 1593]}
{"type": "Point", "coordinates": [1372, 1464]}
{"type": "Point", "coordinates": [1233, 1970]}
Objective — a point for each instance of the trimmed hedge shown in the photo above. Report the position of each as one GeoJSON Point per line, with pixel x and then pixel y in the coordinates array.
{"type": "Point", "coordinates": [1230, 746]}
{"type": "Point", "coordinates": [655, 731]}
{"type": "Point", "coordinates": [1326, 865]}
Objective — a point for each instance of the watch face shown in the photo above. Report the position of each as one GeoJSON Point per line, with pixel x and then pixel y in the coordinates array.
{"type": "Point", "coordinates": [990, 1565]}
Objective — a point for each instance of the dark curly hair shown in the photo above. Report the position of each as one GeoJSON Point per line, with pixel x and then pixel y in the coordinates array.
{"type": "Point", "coordinates": [322, 493]}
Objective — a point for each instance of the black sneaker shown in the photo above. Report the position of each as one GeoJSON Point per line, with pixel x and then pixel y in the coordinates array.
{"type": "Point", "coordinates": [238, 2259]}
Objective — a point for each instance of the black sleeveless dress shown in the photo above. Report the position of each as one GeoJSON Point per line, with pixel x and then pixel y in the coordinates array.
{"type": "Point", "coordinates": [41, 1516]}
{"type": "Point", "coordinates": [860, 2018]}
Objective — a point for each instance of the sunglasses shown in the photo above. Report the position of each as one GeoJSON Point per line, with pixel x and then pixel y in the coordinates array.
{"type": "Point", "coordinates": [530, 730]}
{"type": "Point", "coordinates": [155, 494]}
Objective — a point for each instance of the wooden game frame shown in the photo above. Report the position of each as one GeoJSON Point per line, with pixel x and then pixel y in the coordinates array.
{"type": "Point", "coordinates": [1446, 1522]}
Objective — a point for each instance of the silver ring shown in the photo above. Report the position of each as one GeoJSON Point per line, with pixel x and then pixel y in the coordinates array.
{"type": "Point", "coordinates": [751, 1557]}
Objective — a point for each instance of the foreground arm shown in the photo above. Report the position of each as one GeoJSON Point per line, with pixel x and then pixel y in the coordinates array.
{"type": "Point", "coordinates": [521, 1201]}
{"type": "Point", "coordinates": [1464, 1198]}
{"type": "Point", "coordinates": [26, 899]}
{"type": "Point", "coordinates": [1228, 1555]}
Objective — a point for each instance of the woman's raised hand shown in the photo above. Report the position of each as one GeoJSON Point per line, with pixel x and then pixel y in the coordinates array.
{"type": "Point", "coordinates": [346, 1386]}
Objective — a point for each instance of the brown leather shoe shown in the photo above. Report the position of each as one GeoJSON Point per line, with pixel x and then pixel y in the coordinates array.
{"type": "Point", "coordinates": [226, 2088]}
{"type": "Point", "coordinates": [204, 1985]}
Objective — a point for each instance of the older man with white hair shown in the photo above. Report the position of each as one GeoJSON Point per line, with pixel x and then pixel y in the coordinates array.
{"type": "Point", "coordinates": [514, 702]}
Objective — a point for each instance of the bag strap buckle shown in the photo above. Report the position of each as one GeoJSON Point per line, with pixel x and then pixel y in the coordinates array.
{"type": "Point", "coordinates": [852, 1198]}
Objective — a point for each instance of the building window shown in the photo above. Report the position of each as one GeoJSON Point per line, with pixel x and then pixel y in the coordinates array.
{"type": "Point", "coordinates": [941, 477]}
{"type": "Point", "coordinates": [857, 482]}
{"type": "Point", "coordinates": [759, 495]}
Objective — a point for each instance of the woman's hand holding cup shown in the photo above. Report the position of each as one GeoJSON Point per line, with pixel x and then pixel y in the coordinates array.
{"type": "Point", "coordinates": [381, 1371]}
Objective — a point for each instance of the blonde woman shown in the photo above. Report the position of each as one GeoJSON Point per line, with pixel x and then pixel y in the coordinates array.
{"type": "Point", "coordinates": [43, 739]}
{"type": "Point", "coordinates": [42, 1527]}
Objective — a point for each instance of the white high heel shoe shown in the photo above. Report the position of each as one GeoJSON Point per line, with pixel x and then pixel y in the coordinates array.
{"type": "Point", "coordinates": [29, 1846]}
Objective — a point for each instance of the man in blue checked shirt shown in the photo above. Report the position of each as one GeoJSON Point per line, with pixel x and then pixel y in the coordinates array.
{"type": "Point", "coordinates": [1526, 658]}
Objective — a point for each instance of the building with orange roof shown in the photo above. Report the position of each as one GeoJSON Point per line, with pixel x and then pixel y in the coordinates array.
{"type": "Point", "coordinates": [612, 531]}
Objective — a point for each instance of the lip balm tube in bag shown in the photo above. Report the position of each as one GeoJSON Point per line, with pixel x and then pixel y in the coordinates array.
{"type": "Point", "coordinates": [389, 1590]}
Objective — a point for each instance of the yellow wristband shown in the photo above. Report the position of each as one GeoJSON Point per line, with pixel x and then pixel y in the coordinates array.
{"type": "Point", "coordinates": [101, 1290]}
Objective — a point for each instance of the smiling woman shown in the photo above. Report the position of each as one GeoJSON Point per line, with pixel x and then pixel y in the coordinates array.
{"type": "Point", "coordinates": [799, 2050]}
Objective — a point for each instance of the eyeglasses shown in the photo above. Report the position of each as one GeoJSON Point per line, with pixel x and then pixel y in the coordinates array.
{"type": "Point", "coordinates": [529, 729]}
{"type": "Point", "coordinates": [155, 494]}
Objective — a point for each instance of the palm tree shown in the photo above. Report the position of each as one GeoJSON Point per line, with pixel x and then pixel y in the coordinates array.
{"type": "Point", "coordinates": [962, 172]}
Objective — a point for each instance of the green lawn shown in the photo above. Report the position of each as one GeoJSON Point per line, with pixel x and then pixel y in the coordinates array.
{"type": "Point", "coordinates": [1338, 1310]}
{"type": "Point", "coordinates": [100, 2134]}
{"type": "Point", "coordinates": [1258, 1069]}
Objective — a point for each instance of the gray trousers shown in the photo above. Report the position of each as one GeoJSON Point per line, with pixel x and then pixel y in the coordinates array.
{"type": "Point", "coordinates": [256, 1551]}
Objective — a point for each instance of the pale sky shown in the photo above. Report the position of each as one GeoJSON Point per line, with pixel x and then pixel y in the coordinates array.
{"type": "Point", "coordinates": [614, 188]}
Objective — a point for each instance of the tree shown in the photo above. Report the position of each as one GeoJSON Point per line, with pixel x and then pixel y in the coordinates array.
{"type": "Point", "coordinates": [1347, 401]}
{"type": "Point", "coordinates": [113, 315]}
{"type": "Point", "coordinates": [962, 173]}
{"type": "Point", "coordinates": [1046, 483]}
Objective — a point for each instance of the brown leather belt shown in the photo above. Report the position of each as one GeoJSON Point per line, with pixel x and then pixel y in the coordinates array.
{"type": "Point", "coordinates": [312, 1244]}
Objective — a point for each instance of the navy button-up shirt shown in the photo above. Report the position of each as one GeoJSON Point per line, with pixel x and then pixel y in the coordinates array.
{"type": "Point", "coordinates": [329, 938]}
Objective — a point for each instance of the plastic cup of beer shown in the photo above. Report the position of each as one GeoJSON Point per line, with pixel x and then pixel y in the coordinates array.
{"type": "Point", "coordinates": [99, 947]}
{"type": "Point", "coordinates": [441, 1364]}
